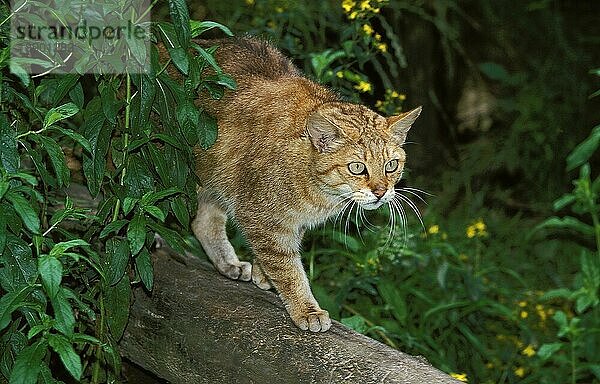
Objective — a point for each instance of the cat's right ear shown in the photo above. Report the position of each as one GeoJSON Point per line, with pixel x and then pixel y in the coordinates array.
{"type": "Point", "coordinates": [324, 135]}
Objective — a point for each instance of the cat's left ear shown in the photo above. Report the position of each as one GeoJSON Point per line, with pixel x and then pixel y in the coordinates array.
{"type": "Point", "coordinates": [399, 125]}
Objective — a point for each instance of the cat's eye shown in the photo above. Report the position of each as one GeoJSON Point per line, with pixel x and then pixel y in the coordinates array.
{"type": "Point", "coordinates": [357, 168]}
{"type": "Point", "coordinates": [391, 166]}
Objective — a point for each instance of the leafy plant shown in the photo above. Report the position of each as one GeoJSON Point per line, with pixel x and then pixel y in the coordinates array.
{"type": "Point", "coordinates": [67, 270]}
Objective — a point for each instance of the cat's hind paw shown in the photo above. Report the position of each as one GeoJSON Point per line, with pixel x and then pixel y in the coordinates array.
{"type": "Point", "coordinates": [314, 321]}
{"type": "Point", "coordinates": [259, 278]}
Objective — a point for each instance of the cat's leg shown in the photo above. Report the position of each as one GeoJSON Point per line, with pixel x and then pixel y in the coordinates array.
{"type": "Point", "coordinates": [209, 228]}
{"type": "Point", "coordinates": [284, 269]}
{"type": "Point", "coordinates": [258, 276]}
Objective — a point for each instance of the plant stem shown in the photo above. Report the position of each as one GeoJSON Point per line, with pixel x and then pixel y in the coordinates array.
{"type": "Point", "coordinates": [125, 144]}
{"type": "Point", "coordinates": [96, 369]}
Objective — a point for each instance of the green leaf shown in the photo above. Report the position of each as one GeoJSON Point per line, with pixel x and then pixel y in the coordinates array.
{"type": "Point", "coordinates": [61, 85]}
{"type": "Point", "coordinates": [141, 103]}
{"type": "Point", "coordinates": [19, 261]}
{"type": "Point", "coordinates": [63, 314]}
{"type": "Point", "coordinates": [85, 144]}
{"type": "Point", "coordinates": [136, 232]}
{"type": "Point", "coordinates": [356, 322]}
{"type": "Point", "coordinates": [207, 130]}
{"type": "Point", "coordinates": [114, 226]}
{"type": "Point", "coordinates": [584, 150]}
{"type": "Point", "coordinates": [29, 363]}
{"type": "Point", "coordinates": [181, 212]}
{"type": "Point", "coordinates": [10, 301]}
{"type": "Point", "coordinates": [563, 201]}
{"type": "Point", "coordinates": [76, 95]}
{"type": "Point", "coordinates": [173, 239]}
{"type": "Point", "coordinates": [117, 300]}
{"type": "Point", "coordinates": [98, 133]}
{"type": "Point", "coordinates": [151, 198]}
{"type": "Point", "coordinates": [57, 158]}
{"type": "Point", "coordinates": [129, 203]}
{"type": "Point", "coordinates": [20, 72]}
{"type": "Point", "coordinates": [181, 21]}
{"type": "Point", "coordinates": [25, 177]}
{"type": "Point", "coordinates": [143, 264]}
{"type": "Point", "coordinates": [24, 210]}
{"type": "Point", "coordinates": [51, 270]}
{"type": "Point", "coordinates": [118, 259]}
{"type": "Point", "coordinates": [9, 155]}
{"type": "Point", "coordinates": [547, 350]}
{"type": "Point", "coordinates": [3, 188]}
{"type": "Point", "coordinates": [210, 59]}
{"type": "Point", "coordinates": [394, 298]}
{"type": "Point", "coordinates": [138, 179]}
{"type": "Point", "coordinates": [566, 222]}
{"type": "Point", "coordinates": [62, 247]}
{"type": "Point", "coordinates": [110, 105]}
{"type": "Point", "coordinates": [188, 118]}
{"type": "Point", "coordinates": [60, 113]}
{"type": "Point", "coordinates": [199, 27]}
{"type": "Point", "coordinates": [180, 58]}
{"type": "Point", "coordinates": [67, 354]}
{"type": "Point", "coordinates": [156, 212]}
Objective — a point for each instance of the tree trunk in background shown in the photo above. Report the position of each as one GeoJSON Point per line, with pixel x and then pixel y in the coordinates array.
{"type": "Point", "coordinates": [200, 327]}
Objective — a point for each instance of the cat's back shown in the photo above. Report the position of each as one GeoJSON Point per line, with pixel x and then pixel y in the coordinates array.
{"type": "Point", "coordinates": [253, 59]}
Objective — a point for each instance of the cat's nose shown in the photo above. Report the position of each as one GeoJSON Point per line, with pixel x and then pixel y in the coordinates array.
{"type": "Point", "coordinates": [379, 191]}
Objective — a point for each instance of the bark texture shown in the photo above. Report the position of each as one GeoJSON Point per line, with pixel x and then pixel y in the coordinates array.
{"type": "Point", "coordinates": [200, 327]}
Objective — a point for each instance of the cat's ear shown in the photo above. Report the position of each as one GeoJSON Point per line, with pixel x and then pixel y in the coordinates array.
{"type": "Point", "coordinates": [324, 135]}
{"type": "Point", "coordinates": [399, 125]}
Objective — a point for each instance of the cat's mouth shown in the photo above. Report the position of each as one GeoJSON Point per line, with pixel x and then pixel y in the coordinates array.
{"type": "Point", "coordinates": [372, 205]}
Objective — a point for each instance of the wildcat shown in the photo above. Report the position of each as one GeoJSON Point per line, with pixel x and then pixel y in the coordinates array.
{"type": "Point", "coordinates": [289, 155]}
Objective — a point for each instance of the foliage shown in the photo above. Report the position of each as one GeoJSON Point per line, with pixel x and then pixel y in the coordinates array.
{"type": "Point", "coordinates": [66, 270]}
{"type": "Point", "coordinates": [489, 289]}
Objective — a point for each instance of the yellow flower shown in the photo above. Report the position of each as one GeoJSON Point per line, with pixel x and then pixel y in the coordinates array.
{"type": "Point", "coordinates": [434, 229]}
{"type": "Point", "coordinates": [395, 94]}
{"type": "Point", "coordinates": [340, 74]}
{"type": "Point", "coordinates": [348, 5]}
{"type": "Point", "coordinates": [379, 104]}
{"type": "Point", "coordinates": [250, 2]}
{"type": "Point", "coordinates": [460, 377]}
{"type": "Point", "coordinates": [402, 96]}
{"type": "Point", "coordinates": [524, 314]}
{"type": "Point", "coordinates": [365, 4]}
{"type": "Point", "coordinates": [353, 15]}
{"type": "Point", "coordinates": [367, 29]}
{"type": "Point", "coordinates": [522, 304]}
{"type": "Point", "coordinates": [363, 86]}
{"type": "Point", "coordinates": [480, 225]}
{"type": "Point", "coordinates": [528, 351]}
{"type": "Point", "coordinates": [541, 312]}
{"type": "Point", "coordinates": [382, 47]}
{"type": "Point", "coordinates": [520, 371]}
{"type": "Point", "coordinates": [478, 229]}
{"type": "Point", "coordinates": [471, 232]}
{"type": "Point", "coordinates": [377, 36]}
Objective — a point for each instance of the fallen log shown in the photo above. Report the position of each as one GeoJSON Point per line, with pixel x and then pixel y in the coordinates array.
{"type": "Point", "coordinates": [199, 327]}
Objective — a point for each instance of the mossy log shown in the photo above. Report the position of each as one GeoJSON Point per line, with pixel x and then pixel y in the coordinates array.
{"type": "Point", "coordinates": [200, 327]}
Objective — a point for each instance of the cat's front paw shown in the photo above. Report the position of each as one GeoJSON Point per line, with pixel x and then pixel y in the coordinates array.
{"type": "Point", "coordinates": [241, 270]}
{"type": "Point", "coordinates": [313, 320]}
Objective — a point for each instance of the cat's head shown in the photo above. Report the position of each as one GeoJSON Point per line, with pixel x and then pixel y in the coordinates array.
{"type": "Point", "coordinates": [358, 154]}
